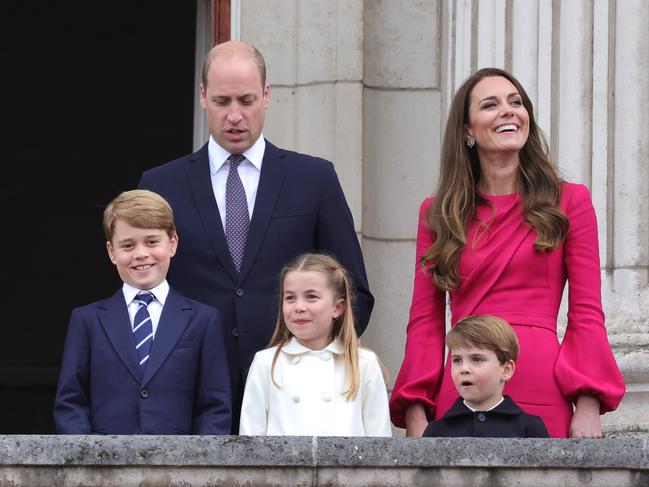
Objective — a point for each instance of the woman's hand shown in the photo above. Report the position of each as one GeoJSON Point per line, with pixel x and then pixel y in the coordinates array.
{"type": "Point", "coordinates": [586, 422]}
{"type": "Point", "coordinates": [416, 420]}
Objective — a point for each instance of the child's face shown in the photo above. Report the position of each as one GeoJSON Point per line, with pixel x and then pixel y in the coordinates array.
{"type": "Point", "coordinates": [141, 255]}
{"type": "Point", "coordinates": [478, 375]}
{"type": "Point", "coordinates": [309, 308]}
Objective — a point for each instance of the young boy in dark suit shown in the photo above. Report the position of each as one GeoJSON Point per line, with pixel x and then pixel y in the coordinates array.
{"type": "Point", "coordinates": [483, 353]}
{"type": "Point", "coordinates": [147, 360]}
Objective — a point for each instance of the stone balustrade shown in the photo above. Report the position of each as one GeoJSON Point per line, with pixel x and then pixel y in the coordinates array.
{"type": "Point", "coordinates": [57, 461]}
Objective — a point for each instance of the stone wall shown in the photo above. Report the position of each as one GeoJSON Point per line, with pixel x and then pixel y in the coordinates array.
{"type": "Point", "coordinates": [61, 461]}
{"type": "Point", "coordinates": [367, 85]}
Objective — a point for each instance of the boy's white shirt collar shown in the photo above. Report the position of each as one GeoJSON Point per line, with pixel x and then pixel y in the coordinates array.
{"type": "Point", "coordinates": [293, 347]}
{"type": "Point", "coordinates": [160, 292]}
{"type": "Point", "coordinates": [473, 410]}
{"type": "Point", "coordinates": [218, 155]}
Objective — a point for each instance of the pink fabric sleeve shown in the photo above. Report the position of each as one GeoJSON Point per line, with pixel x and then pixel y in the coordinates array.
{"type": "Point", "coordinates": [422, 367]}
{"type": "Point", "coordinates": [585, 364]}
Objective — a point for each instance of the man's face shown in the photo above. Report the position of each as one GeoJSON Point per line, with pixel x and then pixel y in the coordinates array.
{"type": "Point", "coordinates": [235, 102]}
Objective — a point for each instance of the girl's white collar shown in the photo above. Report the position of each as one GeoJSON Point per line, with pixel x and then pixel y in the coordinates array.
{"type": "Point", "coordinates": [293, 347]}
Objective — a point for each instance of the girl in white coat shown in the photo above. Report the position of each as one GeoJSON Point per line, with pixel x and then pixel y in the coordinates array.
{"type": "Point", "coordinates": [315, 380]}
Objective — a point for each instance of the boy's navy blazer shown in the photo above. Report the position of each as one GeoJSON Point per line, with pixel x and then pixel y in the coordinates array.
{"type": "Point", "coordinates": [183, 389]}
{"type": "Point", "coordinates": [507, 420]}
{"type": "Point", "coordinates": [300, 207]}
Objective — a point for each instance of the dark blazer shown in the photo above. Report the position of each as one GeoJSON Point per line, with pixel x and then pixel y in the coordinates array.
{"type": "Point", "coordinates": [300, 207]}
{"type": "Point", "coordinates": [506, 420]}
{"type": "Point", "coordinates": [184, 388]}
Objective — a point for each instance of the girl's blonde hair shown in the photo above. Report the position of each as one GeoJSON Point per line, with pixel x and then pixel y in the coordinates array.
{"type": "Point", "coordinates": [340, 284]}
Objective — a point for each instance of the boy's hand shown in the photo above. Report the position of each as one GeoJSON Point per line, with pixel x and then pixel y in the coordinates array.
{"type": "Point", "coordinates": [586, 422]}
{"type": "Point", "coordinates": [416, 421]}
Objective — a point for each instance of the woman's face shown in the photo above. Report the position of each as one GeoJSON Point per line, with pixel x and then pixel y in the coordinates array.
{"type": "Point", "coordinates": [498, 120]}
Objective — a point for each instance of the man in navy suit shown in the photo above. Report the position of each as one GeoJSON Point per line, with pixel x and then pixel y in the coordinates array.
{"type": "Point", "coordinates": [147, 360]}
{"type": "Point", "coordinates": [294, 201]}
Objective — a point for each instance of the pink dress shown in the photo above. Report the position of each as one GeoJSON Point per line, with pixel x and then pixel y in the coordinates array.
{"type": "Point", "coordinates": [502, 274]}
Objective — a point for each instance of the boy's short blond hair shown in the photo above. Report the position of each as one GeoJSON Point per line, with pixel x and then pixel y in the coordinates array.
{"type": "Point", "coordinates": [139, 208]}
{"type": "Point", "coordinates": [485, 331]}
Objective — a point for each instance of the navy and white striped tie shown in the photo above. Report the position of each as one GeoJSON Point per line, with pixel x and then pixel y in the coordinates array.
{"type": "Point", "coordinates": [143, 328]}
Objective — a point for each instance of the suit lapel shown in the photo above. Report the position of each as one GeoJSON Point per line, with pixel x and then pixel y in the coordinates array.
{"type": "Point", "coordinates": [198, 173]}
{"type": "Point", "coordinates": [173, 321]}
{"type": "Point", "coordinates": [114, 319]}
{"type": "Point", "coordinates": [272, 175]}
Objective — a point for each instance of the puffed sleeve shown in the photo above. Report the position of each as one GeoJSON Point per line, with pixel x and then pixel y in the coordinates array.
{"type": "Point", "coordinates": [254, 408]}
{"type": "Point", "coordinates": [585, 364]}
{"type": "Point", "coordinates": [423, 362]}
{"type": "Point", "coordinates": [376, 416]}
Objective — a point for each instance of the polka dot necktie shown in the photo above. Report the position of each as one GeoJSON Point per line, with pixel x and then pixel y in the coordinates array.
{"type": "Point", "coordinates": [142, 327]}
{"type": "Point", "coordinates": [237, 218]}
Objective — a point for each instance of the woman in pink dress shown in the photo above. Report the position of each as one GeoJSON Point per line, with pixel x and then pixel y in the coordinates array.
{"type": "Point", "coordinates": [502, 236]}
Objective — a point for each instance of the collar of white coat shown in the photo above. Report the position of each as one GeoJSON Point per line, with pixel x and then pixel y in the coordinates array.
{"type": "Point", "coordinates": [293, 347]}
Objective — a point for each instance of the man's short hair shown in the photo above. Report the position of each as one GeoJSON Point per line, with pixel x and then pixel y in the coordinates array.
{"type": "Point", "coordinates": [256, 55]}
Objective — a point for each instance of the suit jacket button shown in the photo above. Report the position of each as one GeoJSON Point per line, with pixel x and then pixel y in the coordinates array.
{"type": "Point", "coordinates": [144, 393]}
{"type": "Point", "coordinates": [239, 292]}
{"type": "Point", "coordinates": [235, 332]}
{"type": "Point", "coordinates": [482, 417]}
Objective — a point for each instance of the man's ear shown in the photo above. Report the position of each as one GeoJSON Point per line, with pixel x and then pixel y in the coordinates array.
{"type": "Point", "coordinates": [266, 96]}
{"type": "Point", "coordinates": [508, 370]}
{"type": "Point", "coordinates": [203, 96]}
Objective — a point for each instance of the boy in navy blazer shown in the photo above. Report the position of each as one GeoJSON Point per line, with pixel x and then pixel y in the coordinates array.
{"type": "Point", "coordinates": [483, 352]}
{"type": "Point", "coordinates": [147, 360]}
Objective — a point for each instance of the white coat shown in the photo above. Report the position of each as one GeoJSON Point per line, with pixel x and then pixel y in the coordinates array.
{"type": "Point", "coordinates": [309, 401]}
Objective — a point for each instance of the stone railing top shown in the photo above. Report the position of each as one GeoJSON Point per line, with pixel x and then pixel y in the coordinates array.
{"type": "Point", "coordinates": [235, 451]}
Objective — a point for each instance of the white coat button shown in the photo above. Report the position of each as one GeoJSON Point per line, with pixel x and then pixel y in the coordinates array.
{"type": "Point", "coordinates": [326, 397]}
{"type": "Point", "coordinates": [296, 398]}
{"type": "Point", "coordinates": [296, 359]}
{"type": "Point", "coordinates": [326, 355]}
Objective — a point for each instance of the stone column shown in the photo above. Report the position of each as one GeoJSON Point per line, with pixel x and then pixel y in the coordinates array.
{"type": "Point", "coordinates": [401, 144]}
{"type": "Point", "coordinates": [626, 290]}
{"type": "Point", "coordinates": [314, 57]}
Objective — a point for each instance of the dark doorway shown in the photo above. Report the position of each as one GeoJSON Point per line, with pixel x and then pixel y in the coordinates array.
{"type": "Point", "coordinates": [94, 93]}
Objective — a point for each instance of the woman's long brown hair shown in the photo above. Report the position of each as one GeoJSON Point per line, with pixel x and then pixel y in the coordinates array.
{"type": "Point", "coordinates": [538, 183]}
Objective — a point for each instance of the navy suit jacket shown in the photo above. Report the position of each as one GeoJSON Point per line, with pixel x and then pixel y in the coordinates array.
{"type": "Point", "coordinates": [300, 207]}
{"type": "Point", "coordinates": [184, 388]}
